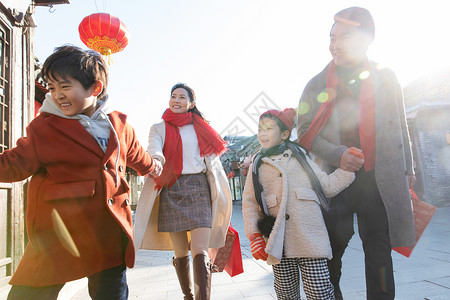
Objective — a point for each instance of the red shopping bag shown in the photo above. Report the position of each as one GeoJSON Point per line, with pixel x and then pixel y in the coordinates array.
{"type": "Point", "coordinates": [423, 212]}
{"type": "Point", "coordinates": [228, 257]}
{"type": "Point", "coordinates": [234, 265]}
{"type": "Point", "coordinates": [220, 256]}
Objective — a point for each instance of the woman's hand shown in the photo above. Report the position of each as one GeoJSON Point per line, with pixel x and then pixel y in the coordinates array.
{"type": "Point", "coordinates": [157, 170]}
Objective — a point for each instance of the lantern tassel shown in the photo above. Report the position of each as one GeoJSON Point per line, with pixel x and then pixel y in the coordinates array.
{"type": "Point", "coordinates": [109, 59]}
{"type": "Point", "coordinates": [106, 52]}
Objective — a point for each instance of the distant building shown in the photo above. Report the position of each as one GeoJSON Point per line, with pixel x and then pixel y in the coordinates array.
{"type": "Point", "coordinates": [427, 102]}
{"type": "Point", "coordinates": [239, 147]}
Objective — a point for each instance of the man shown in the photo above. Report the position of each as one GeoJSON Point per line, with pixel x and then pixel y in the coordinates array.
{"type": "Point", "coordinates": [353, 103]}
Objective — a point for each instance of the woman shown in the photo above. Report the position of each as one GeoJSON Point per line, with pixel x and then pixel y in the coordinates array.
{"type": "Point", "coordinates": [190, 203]}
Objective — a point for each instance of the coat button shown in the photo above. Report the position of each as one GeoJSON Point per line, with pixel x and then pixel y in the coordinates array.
{"type": "Point", "coordinates": [120, 168]}
{"type": "Point", "coordinates": [105, 167]}
{"type": "Point", "coordinates": [111, 201]}
{"type": "Point", "coordinates": [285, 155]}
{"type": "Point", "coordinates": [287, 217]}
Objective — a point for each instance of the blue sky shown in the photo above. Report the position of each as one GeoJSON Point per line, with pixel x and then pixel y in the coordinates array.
{"type": "Point", "coordinates": [240, 55]}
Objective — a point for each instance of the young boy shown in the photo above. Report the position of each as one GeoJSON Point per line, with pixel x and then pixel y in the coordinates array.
{"type": "Point", "coordinates": [78, 213]}
{"type": "Point", "coordinates": [285, 184]}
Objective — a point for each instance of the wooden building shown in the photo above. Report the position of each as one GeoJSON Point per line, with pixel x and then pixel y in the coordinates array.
{"type": "Point", "coordinates": [17, 96]}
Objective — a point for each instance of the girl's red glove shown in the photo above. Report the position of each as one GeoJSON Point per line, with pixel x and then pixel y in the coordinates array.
{"type": "Point", "coordinates": [258, 246]}
{"type": "Point", "coordinates": [356, 152]}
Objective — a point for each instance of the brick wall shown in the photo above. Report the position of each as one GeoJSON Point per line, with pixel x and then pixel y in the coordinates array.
{"type": "Point", "coordinates": [432, 126]}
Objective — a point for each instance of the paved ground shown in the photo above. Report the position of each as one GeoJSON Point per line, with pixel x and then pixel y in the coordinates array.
{"type": "Point", "coordinates": [425, 275]}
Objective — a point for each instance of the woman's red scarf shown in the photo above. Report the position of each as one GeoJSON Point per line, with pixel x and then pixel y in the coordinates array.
{"type": "Point", "coordinates": [209, 142]}
{"type": "Point", "coordinates": [366, 115]}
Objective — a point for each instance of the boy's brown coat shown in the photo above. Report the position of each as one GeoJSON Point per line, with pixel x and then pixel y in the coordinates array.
{"type": "Point", "coordinates": [72, 175]}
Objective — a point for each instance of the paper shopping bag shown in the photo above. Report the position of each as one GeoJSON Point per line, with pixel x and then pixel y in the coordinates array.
{"type": "Point", "coordinates": [220, 256]}
{"type": "Point", "coordinates": [234, 265]}
{"type": "Point", "coordinates": [229, 257]}
{"type": "Point", "coordinates": [423, 212]}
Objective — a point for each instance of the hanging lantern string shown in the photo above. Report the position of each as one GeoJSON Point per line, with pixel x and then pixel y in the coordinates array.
{"type": "Point", "coordinates": [95, 2]}
{"type": "Point", "coordinates": [104, 5]}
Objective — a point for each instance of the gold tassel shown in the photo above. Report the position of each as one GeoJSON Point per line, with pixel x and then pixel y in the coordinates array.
{"type": "Point", "coordinates": [106, 52]}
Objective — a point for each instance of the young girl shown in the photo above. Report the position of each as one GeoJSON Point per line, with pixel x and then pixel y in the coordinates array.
{"type": "Point", "coordinates": [194, 204]}
{"type": "Point", "coordinates": [285, 189]}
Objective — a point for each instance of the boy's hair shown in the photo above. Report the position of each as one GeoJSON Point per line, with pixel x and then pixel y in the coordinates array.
{"type": "Point", "coordinates": [280, 124]}
{"type": "Point", "coordinates": [191, 95]}
{"type": "Point", "coordinates": [86, 66]}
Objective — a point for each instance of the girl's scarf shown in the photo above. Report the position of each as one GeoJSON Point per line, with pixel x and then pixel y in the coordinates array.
{"type": "Point", "coordinates": [366, 114]}
{"type": "Point", "coordinates": [297, 151]}
{"type": "Point", "coordinates": [209, 142]}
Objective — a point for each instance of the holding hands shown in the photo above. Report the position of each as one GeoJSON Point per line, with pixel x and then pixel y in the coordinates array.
{"type": "Point", "coordinates": [158, 168]}
{"type": "Point", "coordinates": [257, 246]}
{"type": "Point", "coordinates": [352, 159]}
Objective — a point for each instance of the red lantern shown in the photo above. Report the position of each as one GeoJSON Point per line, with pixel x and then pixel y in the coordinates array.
{"type": "Point", "coordinates": [103, 33]}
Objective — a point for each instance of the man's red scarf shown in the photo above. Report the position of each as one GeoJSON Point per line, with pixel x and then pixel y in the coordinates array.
{"type": "Point", "coordinates": [366, 115]}
{"type": "Point", "coordinates": [209, 142]}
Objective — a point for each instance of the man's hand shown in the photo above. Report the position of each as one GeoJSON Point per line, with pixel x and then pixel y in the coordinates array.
{"type": "Point", "coordinates": [157, 170]}
{"type": "Point", "coordinates": [350, 161]}
{"type": "Point", "coordinates": [411, 180]}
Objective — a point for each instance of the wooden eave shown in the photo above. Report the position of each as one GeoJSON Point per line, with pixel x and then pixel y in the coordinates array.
{"type": "Point", "coordinates": [50, 2]}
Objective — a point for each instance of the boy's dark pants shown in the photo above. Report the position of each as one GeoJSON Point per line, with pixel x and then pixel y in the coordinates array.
{"type": "Point", "coordinates": [363, 198]}
{"type": "Point", "coordinates": [110, 284]}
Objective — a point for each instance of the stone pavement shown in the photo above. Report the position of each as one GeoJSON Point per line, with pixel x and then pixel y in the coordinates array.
{"type": "Point", "coordinates": [423, 276]}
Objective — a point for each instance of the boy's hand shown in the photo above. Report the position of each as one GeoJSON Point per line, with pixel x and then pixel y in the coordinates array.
{"type": "Point", "coordinates": [352, 160]}
{"type": "Point", "coordinates": [157, 170]}
{"type": "Point", "coordinates": [258, 246]}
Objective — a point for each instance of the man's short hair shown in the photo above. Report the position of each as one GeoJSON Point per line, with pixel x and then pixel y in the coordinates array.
{"type": "Point", "coordinates": [359, 17]}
